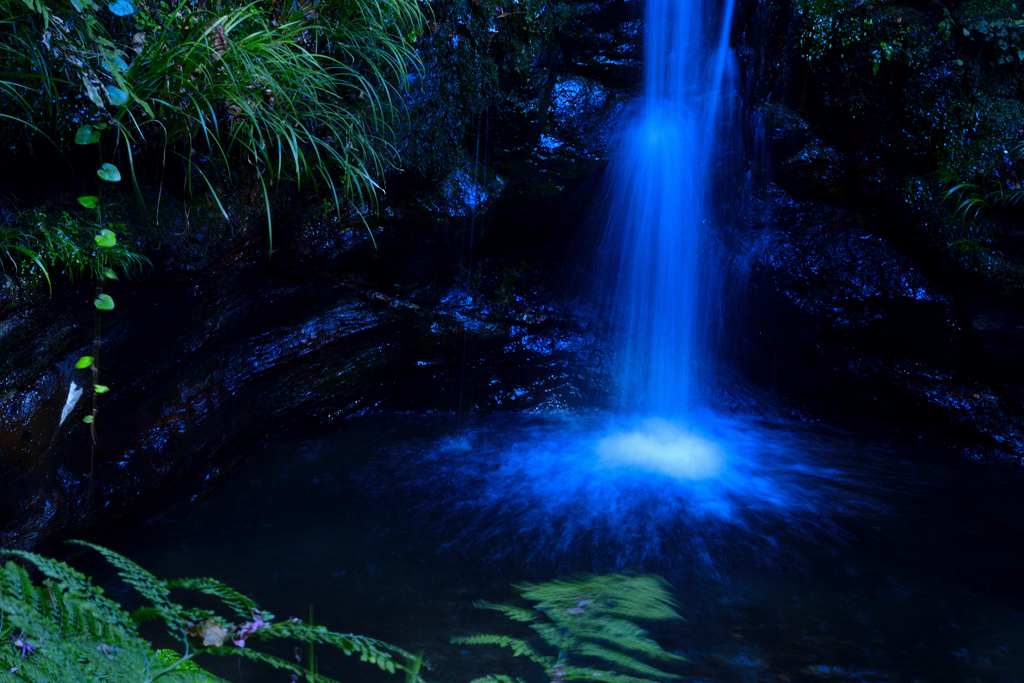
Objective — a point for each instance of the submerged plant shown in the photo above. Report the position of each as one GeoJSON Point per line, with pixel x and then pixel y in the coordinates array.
{"type": "Point", "coordinates": [586, 629]}
{"type": "Point", "coordinates": [65, 629]}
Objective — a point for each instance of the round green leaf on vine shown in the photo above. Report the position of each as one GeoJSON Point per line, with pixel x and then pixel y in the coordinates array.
{"type": "Point", "coordinates": [86, 135]}
{"type": "Point", "coordinates": [117, 96]}
{"type": "Point", "coordinates": [106, 238]}
{"type": "Point", "coordinates": [109, 173]}
{"type": "Point", "coordinates": [113, 64]}
{"type": "Point", "coordinates": [104, 302]}
{"type": "Point", "coordinates": [121, 8]}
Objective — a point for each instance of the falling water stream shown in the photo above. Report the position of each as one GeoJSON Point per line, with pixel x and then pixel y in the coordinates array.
{"type": "Point", "coordinates": [799, 554]}
{"type": "Point", "coordinates": [657, 287]}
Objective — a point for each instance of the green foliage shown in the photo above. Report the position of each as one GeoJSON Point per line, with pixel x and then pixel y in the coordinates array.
{"type": "Point", "coordinates": [1001, 185]}
{"type": "Point", "coordinates": [87, 135]}
{"type": "Point", "coordinates": [979, 149]}
{"type": "Point", "coordinates": [976, 245]}
{"type": "Point", "coordinates": [830, 28]}
{"type": "Point", "coordinates": [981, 157]}
{"type": "Point", "coordinates": [272, 91]}
{"type": "Point", "coordinates": [65, 629]}
{"type": "Point", "coordinates": [586, 629]}
{"type": "Point", "coordinates": [997, 27]}
{"type": "Point", "coordinates": [109, 173]}
{"type": "Point", "coordinates": [64, 245]}
{"type": "Point", "coordinates": [310, 94]}
{"type": "Point", "coordinates": [104, 302]}
{"type": "Point", "coordinates": [827, 26]}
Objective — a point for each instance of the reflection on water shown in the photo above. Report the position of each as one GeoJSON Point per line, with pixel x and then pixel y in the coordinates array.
{"type": "Point", "coordinates": [794, 557]}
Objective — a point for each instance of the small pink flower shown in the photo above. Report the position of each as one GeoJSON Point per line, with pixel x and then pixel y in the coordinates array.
{"type": "Point", "coordinates": [249, 628]}
{"type": "Point", "coordinates": [26, 647]}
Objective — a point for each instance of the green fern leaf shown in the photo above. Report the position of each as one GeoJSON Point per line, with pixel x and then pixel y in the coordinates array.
{"type": "Point", "coordinates": [510, 611]}
{"type": "Point", "coordinates": [630, 597]}
{"type": "Point", "coordinates": [150, 587]}
{"type": "Point", "coordinates": [583, 673]}
{"type": "Point", "coordinates": [184, 671]}
{"type": "Point", "coordinates": [239, 604]}
{"type": "Point", "coordinates": [588, 618]}
{"type": "Point", "coordinates": [82, 602]}
{"type": "Point", "coordinates": [622, 661]}
{"type": "Point", "coordinates": [556, 636]}
{"type": "Point", "coordinates": [625, 635]}
{"type": "Point", "coordinates": [276, 662]}
{"type": "Point", "coordinates": [377, 652]}
{"type": "Point", "coordinates": [145, 615]}
{"type": "Point", "coordinates": [70, 632]}
{"type": "Point", "coordinates": [519, 647]}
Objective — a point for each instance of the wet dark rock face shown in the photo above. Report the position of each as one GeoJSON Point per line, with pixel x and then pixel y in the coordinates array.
{"type": "Point", "coordinates": [202, 371]}
{"type": "Point", "coordinates": [196, 369]}
{"type": "Point", "coordinates": [837, 316]}
{"type": "Point", "coordinates": [529, 139]}
{"type": "Point", "coordinates": [859, 285]}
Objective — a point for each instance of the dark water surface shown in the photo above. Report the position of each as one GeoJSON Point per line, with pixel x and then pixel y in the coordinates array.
{"type": "Point", "coordinates": [795, 554]}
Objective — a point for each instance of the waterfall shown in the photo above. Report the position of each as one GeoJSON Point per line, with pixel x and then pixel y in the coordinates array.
{"type": "Point", "coordinates": [664, 479]}
{"type": "Point", "coordinates": [658, 295]}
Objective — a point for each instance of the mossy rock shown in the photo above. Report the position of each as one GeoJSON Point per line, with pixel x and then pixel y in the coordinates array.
{"type": "Point", "coordinates": [990, 9]}
{"type": "Point", "coordinates": [981, 245]}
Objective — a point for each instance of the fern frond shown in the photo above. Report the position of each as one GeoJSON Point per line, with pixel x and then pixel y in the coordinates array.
{"type": "Point", "coordinates": [276, 662]}
{"type": "Point", "coordinates": [150, 587]}
{"type": "Point", "coordinates": [75, 634]}
{"type": "Point", "coordinates": [70, 598]}
{"type": "Point", "coordinates": [69, 632]}
{"type": "Point", "coordinates": [240, 604]}
{"type": "Point", "coordinates": [510, 611]}
{"type": "Point", "coordinates": [497, 678]}
{"type": "Point", "coordinates": [624, 635]}
{"type": "Point", "coordinates": [519, 647]}
{"type": "Point", "coordinates": [630, 597]}
{"type": "Point", "coordinates": [622, 661]}
{"type": "Point", "coordinates": [583, 673]}
{"type": "Point", "coordinates": [589, 617]}
{"type": "Point", "coordinates": [185, 671]}
{"type": "Point", "coordinates": [382, 655]}
{"type": "Point", "coordinates": [68, 578]}
{"type": "Point", "coordinates": [557, 637]}
{"type": "Point", "coordinates": [145, 615]}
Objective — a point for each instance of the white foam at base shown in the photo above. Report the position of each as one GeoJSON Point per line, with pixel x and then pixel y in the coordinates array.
{"type": "Point", "coordinates": [660, 446]}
